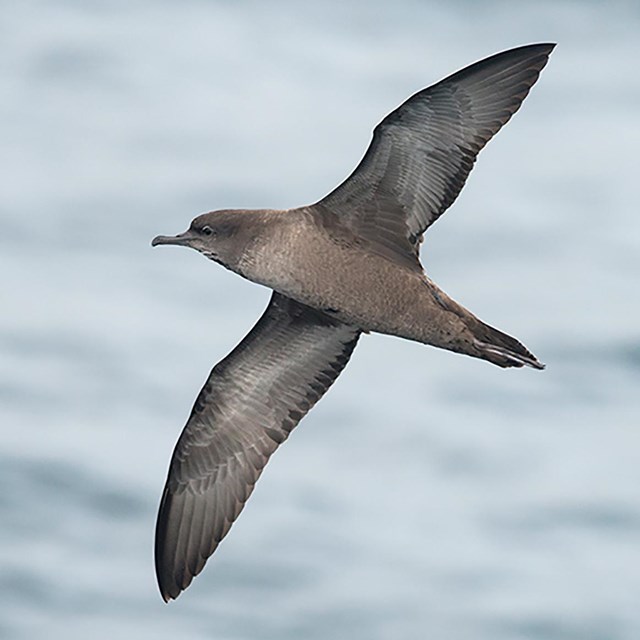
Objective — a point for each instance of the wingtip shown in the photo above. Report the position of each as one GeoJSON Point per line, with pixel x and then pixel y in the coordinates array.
{"type": "Point", "coordinates": [169, 584]}
{"type": "Point", "coordinates": [523, 52]}
{"type": "Point", "coordinates": [548, 47]}
{"type": "Point", "coordinates": [169, 592]}
{"type": "Point", "coordinates": [543, 46]}
{"type": "Point", "coordinates": [166, 593]}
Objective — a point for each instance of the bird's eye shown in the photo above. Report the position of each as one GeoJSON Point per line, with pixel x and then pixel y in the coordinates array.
{"type": "Point", "coordinates": [207, 230]}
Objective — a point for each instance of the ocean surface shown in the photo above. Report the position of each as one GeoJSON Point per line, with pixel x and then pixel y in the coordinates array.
{"type": "Point", "coordinates": [428, 495]}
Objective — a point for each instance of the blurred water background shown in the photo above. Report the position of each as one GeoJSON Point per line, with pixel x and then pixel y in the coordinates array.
{"type": "Point", "coordinates": [429, 495]}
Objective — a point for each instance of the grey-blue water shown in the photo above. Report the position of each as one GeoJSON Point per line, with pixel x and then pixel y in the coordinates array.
{"type": "Point", "coordinates": [428, 495]}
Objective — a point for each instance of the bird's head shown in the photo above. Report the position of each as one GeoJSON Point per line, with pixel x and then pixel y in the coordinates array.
{"type": "Point", "coordinates": [219, 235]}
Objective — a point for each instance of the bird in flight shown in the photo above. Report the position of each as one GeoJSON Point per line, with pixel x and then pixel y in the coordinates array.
{"type": "Point", "coordinates": [346, 265]}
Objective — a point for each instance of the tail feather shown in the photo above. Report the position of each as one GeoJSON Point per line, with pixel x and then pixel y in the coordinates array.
{"type": "Point", "coordinates": [481, 340]}
{"type": "Point", "coordinates": [507, 358]}
{"type": "Point", "coordinates": [500, 348]}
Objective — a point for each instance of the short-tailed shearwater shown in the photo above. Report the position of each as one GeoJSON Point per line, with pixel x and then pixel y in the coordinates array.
{"type": "Point", "coordinates": [343, 266]}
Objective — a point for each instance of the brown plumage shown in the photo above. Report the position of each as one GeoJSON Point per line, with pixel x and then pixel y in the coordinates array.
{"type": "Point", "coordinates": [345, 265]}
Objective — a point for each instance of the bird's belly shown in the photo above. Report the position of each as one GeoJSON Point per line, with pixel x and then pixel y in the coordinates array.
{"type": "Point", "coordinates": [351, 284]}
{"type": "Point", "coordinates": [363, 290]}
{"type": "Point", "coordinates": [394, 308]}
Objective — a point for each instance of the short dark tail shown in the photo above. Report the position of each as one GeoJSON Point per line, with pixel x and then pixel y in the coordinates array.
{"type": "Point", "coordinates": [499, 348]}
{"type": "Point", "coordinates": [484, 341]}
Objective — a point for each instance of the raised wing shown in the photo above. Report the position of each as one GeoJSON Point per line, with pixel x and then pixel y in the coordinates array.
{"type": "Point", "coordinates": [422, 153]}
{"type": "Point", "coordinates": [249, 405]}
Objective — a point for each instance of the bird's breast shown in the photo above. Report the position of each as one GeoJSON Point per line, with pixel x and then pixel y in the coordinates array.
{"type": "Point", "coordinates": [346, 281]}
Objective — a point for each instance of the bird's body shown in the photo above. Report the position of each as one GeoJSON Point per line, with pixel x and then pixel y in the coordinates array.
{"type": "Point", "coordinates": [302, 259]}
{"type": "Point", "coordinates": [323, 265]}
{"type": "Point", "coordinates": [346, 265]}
